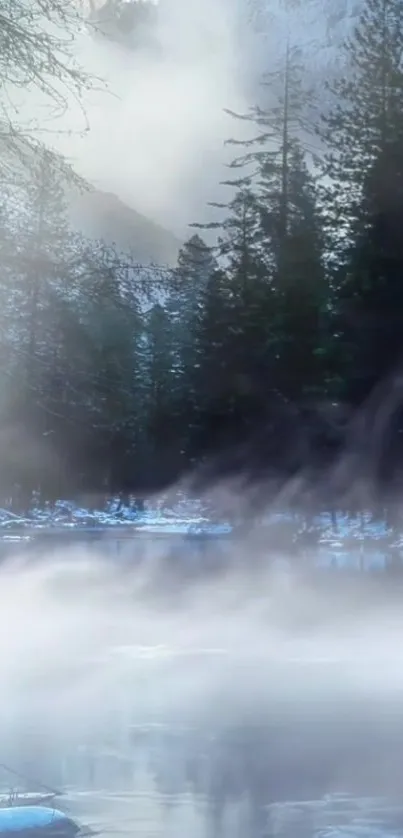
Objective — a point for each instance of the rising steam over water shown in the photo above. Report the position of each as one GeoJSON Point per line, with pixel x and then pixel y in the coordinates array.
{"type": "Point", "coordinates": [89, 650]}
{"type": "Point", "coordinates": [249, 684]}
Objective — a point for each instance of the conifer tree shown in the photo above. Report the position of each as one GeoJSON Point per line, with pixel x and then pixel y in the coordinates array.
{"type": "Point", "coordinates": [215, 376]}
{"type": "Point", "coordinates": [185, 304]}
{"type": "Point", "coordinates": [366, 113]}
{"type": "Point", "coordinates": [287, 235]}
{"type": "Point", "coordinates": [364, 134]}
{"type": "Point", "coordinates": [187, 288]}
{"type": "Point", "coordinates": [301, 289]}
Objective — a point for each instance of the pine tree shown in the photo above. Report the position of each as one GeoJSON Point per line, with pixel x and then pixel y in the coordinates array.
{"type": "Point", "coordinates": [366, 114]}
{"type": "Point", "coordinates": [43, 247]}
{"type": "Point", "coordinates": [39, 271]}
{"type": "Point", "coordinates": [186, 292]}
{"type": "Point", "coordinates": [301, 290]}
{"type": "Point", "coordinates": [107, 378]}
{"type": "Point", "coordinates": [371, 297]}
{"type": "Point", "coordinates": [213, 379]}
{"type": "Point", "coordinates": [251, 300]}
{"type": "Point", "coordinates": [273, 298]}
{"type": "Point", "coordinates": [185, 304]}
{"type": "Point", "coordinates": [72, 339]}
{"type": "Point", "coordinates": [364, 133]}
{"type": "Point", "coordinates": [287, 235]}
{"type": "Point", "coordinates": [10, 298]}
{"type": "Point", "coordinates": [163, 395]}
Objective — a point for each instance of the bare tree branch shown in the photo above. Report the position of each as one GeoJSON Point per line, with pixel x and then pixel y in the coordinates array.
{"type": "Point", "coordinates": [37, 55]}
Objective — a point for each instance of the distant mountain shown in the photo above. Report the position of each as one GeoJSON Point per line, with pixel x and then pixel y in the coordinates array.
{"type": "Point", "coordinates": [92, 212]}
{"type": "Point", "coordinates": [102, 215]}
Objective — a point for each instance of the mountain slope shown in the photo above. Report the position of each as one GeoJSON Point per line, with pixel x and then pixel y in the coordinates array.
{"type": "Point", "coordinates": [102, 215]}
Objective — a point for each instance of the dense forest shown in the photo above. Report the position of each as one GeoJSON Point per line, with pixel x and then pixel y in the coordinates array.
{"type": "Point", "coordinates": [275, 352]}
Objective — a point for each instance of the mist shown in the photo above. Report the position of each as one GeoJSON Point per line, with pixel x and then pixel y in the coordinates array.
{"type": "Point", "coordinates": [91, 648]}
{"type": "Point", "coordinates": [154, 128]}
{"type": "Point", "coordinates": [76, 628]}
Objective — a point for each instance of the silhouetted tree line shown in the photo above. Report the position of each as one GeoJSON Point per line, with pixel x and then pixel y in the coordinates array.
{"type": "Point", "coordinates": [277, 352]}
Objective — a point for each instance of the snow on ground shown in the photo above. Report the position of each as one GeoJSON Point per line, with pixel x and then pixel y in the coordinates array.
{"type": "Point", "coordinates": [68, 514]}
{"type": "Point", "coordinates": [184, 515]}
{"type": "Point", "coordinates": [340, 541]}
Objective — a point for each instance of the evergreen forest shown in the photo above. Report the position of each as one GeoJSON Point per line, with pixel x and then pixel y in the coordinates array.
{"type": "Point", "coordinates": [272, 350]}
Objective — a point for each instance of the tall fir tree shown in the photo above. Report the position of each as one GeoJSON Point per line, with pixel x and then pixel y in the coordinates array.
{"type": "Point", "coordinates": [163, 396]}
{"type": "Point", "coordinates": [185, 304]}
{"type": "Point", "coordinates": [40, 270]}
{"type": "Point", "coordinates": [287, 233]}
{"type": "Point", "coordinates": [364, 135]}
{"type": "Point", "coordinates": [366, 114]}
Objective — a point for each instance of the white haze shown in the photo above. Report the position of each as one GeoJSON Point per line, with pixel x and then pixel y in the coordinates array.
{"type": "Point", "coordinates": [157, 138]}
{"type": "Point", "coordinates": [84, 642]}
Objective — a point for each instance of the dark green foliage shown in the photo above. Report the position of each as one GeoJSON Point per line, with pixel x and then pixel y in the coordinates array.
{"type": "Point", "coordinates": [364, 204]}
{"type": "Point", "coordinates": [274, 349]}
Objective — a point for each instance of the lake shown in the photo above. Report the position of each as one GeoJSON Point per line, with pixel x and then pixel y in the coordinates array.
{"type": "Point", "coordinates": [220, 742]}
{"type": "Point", "coordinates": [331, 771]}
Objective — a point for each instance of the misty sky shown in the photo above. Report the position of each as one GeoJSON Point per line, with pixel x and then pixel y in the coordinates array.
{"type": "Point", "coordinates": [157, 138]}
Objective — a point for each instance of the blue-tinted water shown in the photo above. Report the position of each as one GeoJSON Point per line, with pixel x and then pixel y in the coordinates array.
{"type": "Point", "coordinates": [327, 767]}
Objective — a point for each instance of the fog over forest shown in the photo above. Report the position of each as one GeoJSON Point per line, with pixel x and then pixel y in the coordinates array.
{"type": "Point", "coordinates": [168, 92]}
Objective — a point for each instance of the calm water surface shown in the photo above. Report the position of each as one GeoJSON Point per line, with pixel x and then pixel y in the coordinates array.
{"type": "Point", "coordinates": [297, 764]}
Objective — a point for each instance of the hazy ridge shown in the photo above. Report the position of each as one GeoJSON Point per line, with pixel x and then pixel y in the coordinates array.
{"type": "Point", "coordinates": [102, 215]}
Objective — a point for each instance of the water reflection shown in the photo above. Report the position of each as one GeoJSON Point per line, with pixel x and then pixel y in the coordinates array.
{"type": "Point", "coordinates": [244, 780]}
{"type": "Point", "coordinates": [190, 550]}
{"type": "Point", "coordinates": [324, 766]}
{"type": "Point", "coordinates": [152, 813]}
